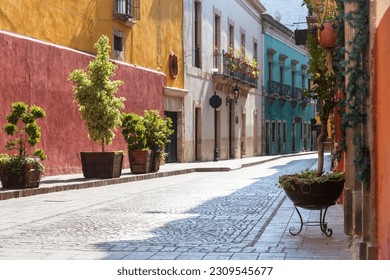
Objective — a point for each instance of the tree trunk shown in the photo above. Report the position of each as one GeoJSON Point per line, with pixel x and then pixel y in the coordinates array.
{"type": "Point", "coordinates": [321, 146]}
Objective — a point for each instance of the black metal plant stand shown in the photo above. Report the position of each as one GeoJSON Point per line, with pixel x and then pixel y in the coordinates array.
{"type": "Point", "coordinates": [321, 223]}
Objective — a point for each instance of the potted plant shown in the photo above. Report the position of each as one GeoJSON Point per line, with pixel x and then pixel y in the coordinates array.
{"type": "Point", "coordinates": [24, 168]}
{"type": "Point", "coordinates": [158, 130]}
{"type": "Point", "coordinates": [326, 12]}
{"type": "Point", "coordinates": [134, 133]}
{"type": "Point", "coordinates": [146, 137]}
{"type": "Point", "coordinates": [315, 188]}
{"type": "Point", "coordinates": [100, 109]}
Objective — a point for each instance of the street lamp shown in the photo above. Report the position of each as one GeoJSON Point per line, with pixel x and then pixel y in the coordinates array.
{"type": "Point", "coordinates": [236, 92]}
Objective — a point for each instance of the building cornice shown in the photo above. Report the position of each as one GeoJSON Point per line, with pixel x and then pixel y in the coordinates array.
{"type": "Point", "coordinates": [253, 7]}
{"type": "Point", "coordinates": [273, 22]}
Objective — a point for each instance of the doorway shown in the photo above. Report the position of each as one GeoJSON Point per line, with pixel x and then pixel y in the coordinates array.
{"type": "Point", "coordinates": [171, 147]}
{"type": "Point", "coordinates": [198, 135]}
{"type": "Point", "coordinates": [231, 130]}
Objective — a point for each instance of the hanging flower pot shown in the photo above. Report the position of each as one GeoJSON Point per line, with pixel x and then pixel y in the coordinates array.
{"type": "Point", "coordinates": [327, 35]}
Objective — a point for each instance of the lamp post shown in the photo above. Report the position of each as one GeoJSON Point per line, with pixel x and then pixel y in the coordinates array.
{"type": "Point", "coordinates": [215, 102]}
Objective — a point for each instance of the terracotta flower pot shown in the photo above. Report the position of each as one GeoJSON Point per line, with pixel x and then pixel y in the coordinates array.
{"type": "Point", "coordinates": [327, 35]}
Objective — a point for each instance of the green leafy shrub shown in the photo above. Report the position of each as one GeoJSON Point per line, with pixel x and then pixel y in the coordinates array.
{"type": "Point", "coordinates": [147, 132]}
{"type": "Point", "coordinates": [95, 94]}
{"type": "Point", "coordinates": [134, 131]}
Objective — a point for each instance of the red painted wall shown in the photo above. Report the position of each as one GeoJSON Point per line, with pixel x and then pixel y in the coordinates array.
{"type": "Point", "coordinates": [383, 135]}
{"type": "Point", "coordinates": [36, 73]}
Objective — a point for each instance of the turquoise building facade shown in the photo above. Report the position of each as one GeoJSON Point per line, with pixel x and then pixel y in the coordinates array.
{"type": "Point", "coordinates": [287, 113]}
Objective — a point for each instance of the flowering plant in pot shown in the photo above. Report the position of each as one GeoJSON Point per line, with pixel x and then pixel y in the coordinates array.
{"type": "Point", "coordinates": [100, 109]}
{"type": "Point", "coordinates": [24, 168]}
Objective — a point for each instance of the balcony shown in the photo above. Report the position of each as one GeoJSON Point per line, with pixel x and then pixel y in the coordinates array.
{"type": "Point", "coordinates": [229, 70]}
{"type": "Point", "coordinates": [127, 11]}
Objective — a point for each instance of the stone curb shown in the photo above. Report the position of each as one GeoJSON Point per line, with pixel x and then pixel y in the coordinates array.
{"type": "Point", "coordinates": [92, 183]}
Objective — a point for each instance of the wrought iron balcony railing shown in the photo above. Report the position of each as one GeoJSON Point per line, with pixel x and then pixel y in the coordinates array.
{"type": "Point", "coordinates": [235, 68]}
{"type": "Point", "coordinates": [275, 87]}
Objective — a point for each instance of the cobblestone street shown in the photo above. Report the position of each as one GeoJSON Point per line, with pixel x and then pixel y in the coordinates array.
{"type": "Point", "coordinates": [240, 214]}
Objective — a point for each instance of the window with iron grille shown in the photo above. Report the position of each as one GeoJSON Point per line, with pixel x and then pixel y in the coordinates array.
{"type": "Point", "coordinates": [129, 9]}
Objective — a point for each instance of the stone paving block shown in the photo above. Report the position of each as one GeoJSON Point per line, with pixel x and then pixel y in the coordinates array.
{"type": "Point", "coordinates": [245, 256]}
{"type": "Point", "coordinates": [191, 256]}
{"type": "Point", "coordinates": [115, 255]}
{"type": "Point", "coordinates": [272, 256]}
{"type": "Point", "coordinates": [168, 249]}
{"type": "Point", "coordinates": [236, 249]}
{"type": "Point", "coordinates": [218, 256]}
{"type": "Point", "coordinates": [251, 250]}
{"type": "Point", "coordinates": [222, 250]}
{"type": "Point", "coordinates": [276, 250]}
{"type": "Point", "coordinates": [138, 256]}
{"type": "Point", "coordinates": [165, 256]}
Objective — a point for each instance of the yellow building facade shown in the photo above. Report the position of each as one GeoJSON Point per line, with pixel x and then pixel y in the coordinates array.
{"type": "Point", "coordinates": [146, 31]}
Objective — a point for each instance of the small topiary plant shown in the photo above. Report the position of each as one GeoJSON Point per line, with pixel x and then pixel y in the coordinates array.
{"type": "Point", "coordinates": [25, 135]}
{"type": "Point", "coordinates": [22, 125]}
{"type": "Point", "coordinates": [95, 94]}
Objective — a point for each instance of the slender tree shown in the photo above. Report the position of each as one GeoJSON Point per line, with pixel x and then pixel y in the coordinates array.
{"type": "Point", "coordinates": [95, 93]}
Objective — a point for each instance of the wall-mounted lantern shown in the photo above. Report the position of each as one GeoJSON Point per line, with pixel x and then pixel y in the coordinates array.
{"type": "Point", "coordinates": [236, 92]}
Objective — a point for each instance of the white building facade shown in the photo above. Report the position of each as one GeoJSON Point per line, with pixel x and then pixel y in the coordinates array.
{"type": "Point", "coordinates": [223, 48]}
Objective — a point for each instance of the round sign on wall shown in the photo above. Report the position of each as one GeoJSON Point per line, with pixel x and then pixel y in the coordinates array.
{"type": "Point", "coordinates": [215, 101]}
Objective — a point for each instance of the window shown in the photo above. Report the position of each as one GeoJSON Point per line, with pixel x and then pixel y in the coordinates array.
{"type": "Point", "coordinates": [129, 8]}
{"type": "Point", "coordinates": [255, 57]}
{"type": "Point", "coordinates": [270, 57]}
{"type": "Point", "coordinates": [293, 74]}
{"type": "Point", "coordinates": [273, 132]}
{"type": "Point", "coordinates": [127, 11]}
{"type": "Point", "coordinates": [281, 78]}
{"type": "Point", "coordinates": [242, 46]}
{"type": "Point", "coordinates": [217, 39]}
{"type": "Point", "coordinates": [282, 59]}
{"type": "Point", "coordinates": [301, 131]}
{"type": "Point", "coordinates": [284, 132]}
{"type": "Point", "coordinates": [118, 45]}
{"type": "Point", "coordinates": [270, 69]}
{"type": "Point", "coordinates": [231, 37]}
{"type": "Point", "coordinates": [197, 34]}
{"type": "Point", "coordinates": [303, 70]}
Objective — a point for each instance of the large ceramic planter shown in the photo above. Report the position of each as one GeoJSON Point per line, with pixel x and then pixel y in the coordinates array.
{"type": "Point", "coordinates": [327, 35]}
{"type": "Point", "coordinates": [140, 161]}
{"type": "Point", "coordinates": [28, 178]}
{"type": "Point", "coordinates": [315, 196]}
{"type": "Point", "coordinates": [102, 164]}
